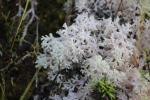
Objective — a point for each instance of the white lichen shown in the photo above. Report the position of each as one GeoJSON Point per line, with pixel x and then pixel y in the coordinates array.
{"type": "Point", "coordinates": [101, 48]}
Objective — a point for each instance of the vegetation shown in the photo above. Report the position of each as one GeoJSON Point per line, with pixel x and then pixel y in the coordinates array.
{"type": "Point", "coordinates": [18, 54]}
{"type": "Point", "coordinates": [87, 42]}
{"type": "Point", "coordinates": [106, 89]}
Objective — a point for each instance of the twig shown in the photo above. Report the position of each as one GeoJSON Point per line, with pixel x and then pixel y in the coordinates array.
{"type": "Point", "coordinates": [33, 16]}
{"type": "Point", "coordinates": [16, 62]}
{"type": "Point", "coordinates": [5, 68]}
{"type": "Point", "coordinates": [29, 85]}
{"type": "Point", "coordinates": [119, 7]}
{"type": "Point", "coordinates": [21, 59]}
{"type": "Point", "coordinates": [22, 18]}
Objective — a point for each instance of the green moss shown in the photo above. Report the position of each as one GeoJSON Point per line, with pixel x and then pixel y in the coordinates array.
{"type": "Point", "coordinates": [106, 89]}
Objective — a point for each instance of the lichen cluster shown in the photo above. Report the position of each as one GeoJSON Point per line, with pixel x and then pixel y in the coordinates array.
{"type": "Point", "coordinates": [100, 42]}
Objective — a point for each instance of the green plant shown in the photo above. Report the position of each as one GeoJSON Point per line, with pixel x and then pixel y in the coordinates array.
{"type": "Point", "coordinates": [20, 23]}
{"type": "Point", "coordinates": [106, 89]}
{"type": "Point", "coordinates": [23, 96]}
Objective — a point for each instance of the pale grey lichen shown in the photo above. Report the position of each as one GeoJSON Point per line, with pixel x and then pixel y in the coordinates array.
{"type": "Point", "coordinates": [99, 47]}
